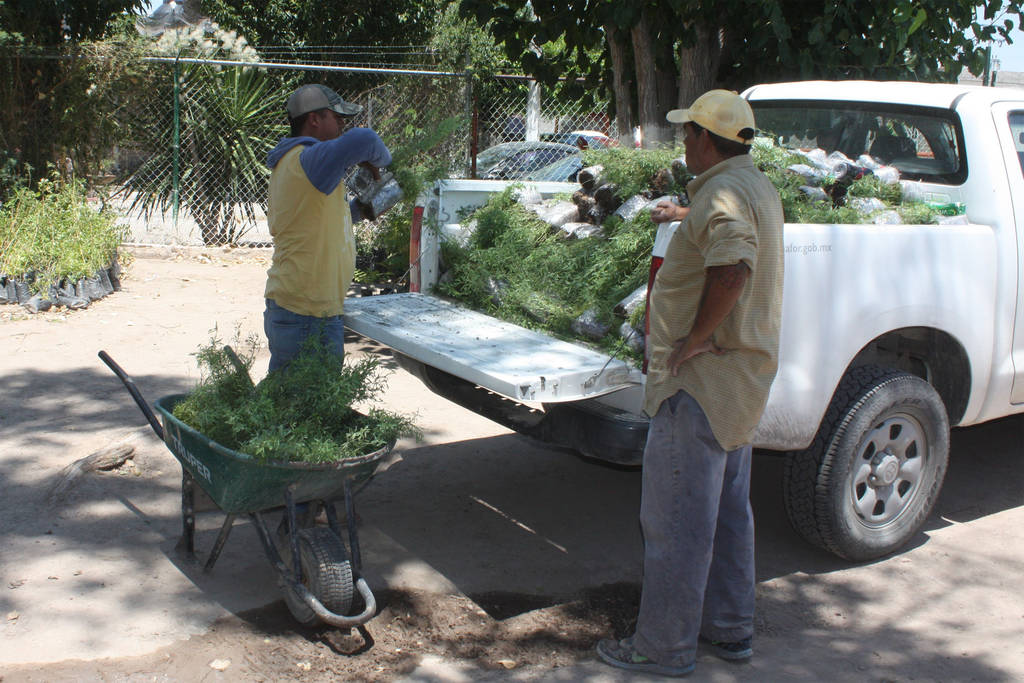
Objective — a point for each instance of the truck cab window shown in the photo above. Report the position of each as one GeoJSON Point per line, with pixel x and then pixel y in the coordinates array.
{"type": "Point", "coordinates": [1016, 120]}
{"type": "Point", "coordinates": [921, 143]}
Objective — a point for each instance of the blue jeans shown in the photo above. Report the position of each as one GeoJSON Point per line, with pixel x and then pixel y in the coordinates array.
{"type": "Point", "coordinates": [698, 537]}
{"type": "Point", "coordinates": [286, 332]}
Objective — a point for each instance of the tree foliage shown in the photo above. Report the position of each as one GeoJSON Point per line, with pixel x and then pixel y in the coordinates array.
{"type": "Point", "coordinates": [49, 96]}
{"type": "Point", "coordinates": [462, 44]}
{"type": "Point", "coordinates": [930, 40]}
{"type": "Point", "coordinates": [304, 23]}
{"type": "Point", "coordinates": [53, 22]}
{"type": "Point", "coordinates": [654, 55]}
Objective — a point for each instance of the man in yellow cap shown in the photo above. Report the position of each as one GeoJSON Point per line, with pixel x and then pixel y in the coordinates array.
{"type": "Point", "coordinates": [310, 219]}
{"type": "Point", "coordinates": [715, 313]}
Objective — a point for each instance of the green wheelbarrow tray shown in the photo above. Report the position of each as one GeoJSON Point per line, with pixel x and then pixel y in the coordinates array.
{"type": "Point", "coordinates": [318, 577]}
{"type": "Point", "coordinates": [238, 483]}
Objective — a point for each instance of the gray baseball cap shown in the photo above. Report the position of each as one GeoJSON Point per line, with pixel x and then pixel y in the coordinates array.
{"type": "Point", "coordinates": [314, 97]}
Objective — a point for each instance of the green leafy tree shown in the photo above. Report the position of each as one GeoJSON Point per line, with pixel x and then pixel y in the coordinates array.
{"type": "Point", "coordinates": [52, 22]}
{"type": "Point", "coordinates": [48, 93]}
{"type": "Point", "coordinates": [655, 55]}
{"type": "Point", "coordinates": [460, 44]}
{"type": "Point", "coordinates": [304, 23]}
{"type": "Point", "coordinates": [932, 40]}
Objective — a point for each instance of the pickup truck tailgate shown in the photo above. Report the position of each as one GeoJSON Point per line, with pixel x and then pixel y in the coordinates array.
{"type": "Point", "coordinates": [499, 356]}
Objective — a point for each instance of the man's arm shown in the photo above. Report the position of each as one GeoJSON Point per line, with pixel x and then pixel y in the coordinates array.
{"type": "Point", "coordinates": [327, 162]}
{"type": "Point", "coordinates": [723, 286]}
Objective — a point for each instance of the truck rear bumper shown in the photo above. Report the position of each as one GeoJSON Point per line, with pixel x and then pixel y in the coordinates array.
{"type": "Point", "coordinates": [589, 427]}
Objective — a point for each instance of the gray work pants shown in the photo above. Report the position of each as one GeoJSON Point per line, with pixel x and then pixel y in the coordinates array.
{"type": "Point", "coordinates": [698, 537]}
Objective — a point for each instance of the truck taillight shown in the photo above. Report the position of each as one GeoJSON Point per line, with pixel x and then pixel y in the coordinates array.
{"type": "Point", "coordinates": [414, 248]}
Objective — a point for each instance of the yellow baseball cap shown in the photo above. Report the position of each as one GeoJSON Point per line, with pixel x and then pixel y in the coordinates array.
{"type": "Point", "coordinates": [723, 112]}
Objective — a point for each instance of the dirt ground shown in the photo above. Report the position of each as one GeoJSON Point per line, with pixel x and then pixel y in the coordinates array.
{"type": "Point", "coordinates": [492, 558]}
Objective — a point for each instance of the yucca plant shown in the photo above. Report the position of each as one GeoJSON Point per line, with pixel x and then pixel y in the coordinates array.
{"type": "Point", "coordinates": [230, 117]}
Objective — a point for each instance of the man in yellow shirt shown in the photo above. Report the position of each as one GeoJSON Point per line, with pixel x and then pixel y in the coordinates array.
{"type": "Point", "coordinates": [713, 346]}
{"type": "Point", "coordinates": [310, 220]}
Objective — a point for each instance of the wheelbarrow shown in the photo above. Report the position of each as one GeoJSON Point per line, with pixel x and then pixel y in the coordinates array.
{"type": "Point", "coordinates": [321, 585]}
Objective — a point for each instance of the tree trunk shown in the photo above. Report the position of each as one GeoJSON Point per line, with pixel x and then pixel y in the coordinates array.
{"type": "Point", "coordinates": [624, 119]}
{"type": "Point", "coordinates": [667, 78]}
{"type": "Point", "coordinates": [698, 65]}
{"type": "Point", "coordinates": [533, 112]}
{"type": "Point", "coordinates": [202, 204]}
{"type": "Point", "coordinates": [652, 121]}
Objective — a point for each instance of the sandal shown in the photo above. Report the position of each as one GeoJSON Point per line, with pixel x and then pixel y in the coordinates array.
{"type": "Point", "coordinates": [730, 650]}
{"type": "Point", "coordinates": [623, 654]}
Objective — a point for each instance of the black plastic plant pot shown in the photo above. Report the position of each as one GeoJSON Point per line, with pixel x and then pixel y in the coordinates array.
{"type": "Point", "coordinates": [114, 275]}
{"type": "Point", "coordinates": [89, 288]}
{"type": "Point", "coordinates": [22, 291]}
{"type": "Point", "coordinates": [105, 283]}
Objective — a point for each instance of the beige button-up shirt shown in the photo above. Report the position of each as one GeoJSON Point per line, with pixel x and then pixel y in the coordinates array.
{"type": "Point", "coordinates": [735, 215]}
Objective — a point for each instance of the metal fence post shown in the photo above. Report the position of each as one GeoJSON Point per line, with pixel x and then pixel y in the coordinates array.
{"type": "Point", "coordinates": [471, 115]}
{"type": "Point", "coordinates": [176, 164]}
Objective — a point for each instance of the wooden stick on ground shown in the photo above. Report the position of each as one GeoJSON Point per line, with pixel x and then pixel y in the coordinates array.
{"type": "Point", "coordinates": [106, 458]}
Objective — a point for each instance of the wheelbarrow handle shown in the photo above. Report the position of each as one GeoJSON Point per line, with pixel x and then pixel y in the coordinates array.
{"type": "Point", "coordinates": [129, 384]}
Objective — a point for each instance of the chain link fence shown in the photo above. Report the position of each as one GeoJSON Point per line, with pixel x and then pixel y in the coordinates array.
{"type": "Point", "coordinates": [189, 168]}
{"type": "Point", "coordinates": [193, 166]}
{"type": "Point", "coordinates": [514, 108]}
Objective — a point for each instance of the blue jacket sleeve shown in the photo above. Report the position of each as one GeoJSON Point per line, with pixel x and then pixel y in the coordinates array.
{"type": "Point", "coordinates": [327, 162]}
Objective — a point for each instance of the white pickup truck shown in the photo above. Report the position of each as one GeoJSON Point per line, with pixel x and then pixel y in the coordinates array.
{"type": "Point", "coordinates": [890, 333]}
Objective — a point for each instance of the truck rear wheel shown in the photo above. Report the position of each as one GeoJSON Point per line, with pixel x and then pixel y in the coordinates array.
{"type": "Point", "coordinates": [873, 473]}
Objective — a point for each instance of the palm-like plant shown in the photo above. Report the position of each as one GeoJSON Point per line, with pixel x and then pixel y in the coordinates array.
{"type": "Point", "coordinates": [229, 118]}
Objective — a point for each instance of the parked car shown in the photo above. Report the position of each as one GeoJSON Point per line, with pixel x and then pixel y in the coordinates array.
{"type": "Point", "coordinates": [529, 161]}
{"type": "Point", "coordinates": [584, 139]}
{"type": "Point", "coordinates": [562, 171]}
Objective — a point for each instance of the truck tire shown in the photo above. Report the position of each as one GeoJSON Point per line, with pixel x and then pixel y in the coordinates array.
{"type": "Point", "coordinates": [874, 470]}
{"type": "Point", "coordinates": [326, 573]}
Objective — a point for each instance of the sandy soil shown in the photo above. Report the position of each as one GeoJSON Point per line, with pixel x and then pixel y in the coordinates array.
{"type": "Point", "coordinates": [491, 557]}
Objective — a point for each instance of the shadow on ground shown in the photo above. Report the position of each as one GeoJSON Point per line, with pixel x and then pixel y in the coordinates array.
{"type": "Point", "coordinates": [542, 524]}
{"type": "Point", "coordinates": [120, 516]}
{"type": "Point", "coordinates": [37, 404]}
{"type": "Point", "coordinates": [515, 526]}
{"type": "Point", "coordinates": [540, 521]}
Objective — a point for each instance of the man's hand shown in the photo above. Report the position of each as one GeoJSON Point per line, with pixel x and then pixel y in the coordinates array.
{"type": "Point", "coordinates": [666, 212]}
{"type": "Point", "coordinates": [371, 168]}
{"type": "Point", "coordinates": [685, 349]}
{"type": "Point", "coordinates": [722, 288]}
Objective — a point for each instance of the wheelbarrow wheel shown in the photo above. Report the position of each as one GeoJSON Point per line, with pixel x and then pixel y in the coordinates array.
{"type": "Point", "coordinates": [326, 573]}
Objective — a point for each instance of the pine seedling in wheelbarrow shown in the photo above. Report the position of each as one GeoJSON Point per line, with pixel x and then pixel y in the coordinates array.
{"type": "Point", "coordinates": [316, 410]}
